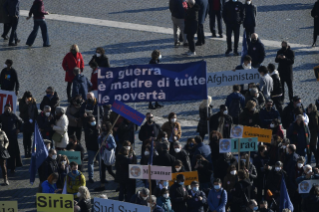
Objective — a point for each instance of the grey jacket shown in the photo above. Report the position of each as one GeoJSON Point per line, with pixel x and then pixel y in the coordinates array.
{"type": "Point", "coordinates": [266, 85]}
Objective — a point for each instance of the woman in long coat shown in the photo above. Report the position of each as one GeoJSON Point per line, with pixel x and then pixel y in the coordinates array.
{"type": "Point", "coordinates": [4, 18]}
{"type": "Point", "coordinates": [315, 15]}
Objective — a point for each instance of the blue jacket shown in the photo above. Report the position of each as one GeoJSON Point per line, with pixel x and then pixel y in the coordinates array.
{"type": "Point", "coordinates": [81, 85]}
{"type": "Point", "coordinates": [217, 200]}
{"type": "Point", "coordinates": [204, 150]}
{"type": "Point", "coordinates": [235, 95]}
{"type": "Point", "coordinates": [12, 7]}
{"type": "Point", "coordinates": [177, 9]}
{"type": "Point", "coordinates": [194, 204]}
{"type": "Point", "coordinates": [165, 203]}
{"type": "Point", "coordinates": [110, 141]}
{"type": "Point", "coordinates": [47, 188]}
{"type": "Point", "coordinates": [266, 117]}
{"type": "Point", "coordinates": [203, 10]}
{"type": "Point", "coordinates": [158, 209]}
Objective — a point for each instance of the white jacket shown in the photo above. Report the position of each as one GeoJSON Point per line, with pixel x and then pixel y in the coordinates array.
{"type": "Point", "coordinates": [61, 127]}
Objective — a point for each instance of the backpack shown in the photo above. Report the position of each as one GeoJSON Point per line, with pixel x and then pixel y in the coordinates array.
{"type": "Point", "coordinates": [235, 108]}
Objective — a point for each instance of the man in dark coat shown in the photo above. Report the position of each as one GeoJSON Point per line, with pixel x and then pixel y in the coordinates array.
{"type": "Point", "coordinates": [126, 131]}
{"type": "Point", "coordinates": [51, 99]}
{"type": "Point", "coordinates": [277, 89]}
{"type": "Point", "coordinates": [164, 158]}
{"type": "Point", "coordinates": [191, 25]}
{"type": "Point", "coordinates": [315, 15]}
{"type": "Point", "coordinates": [45, 122]}
{"type": "Point", "coordinates": [11, 125]}
{"type": "Point", "coordinates": [261, 163]}
{"type": "Point", "coordinates": [178, 194]}
{"type": "Point", "coordinates": [285, 58]}
{"type": "Point", "coordinates": [274, 179]}
{"type": "Point", "coordinates": [289, 166]}
{"type": "Point", "coordinates": [12, 8]}
{"type": "Point", "coordinates": [233, 17]}
{"type": "Point", "coordinates": [255, 95]}
{"type": "Point", "coordinates": [9, 78]}
{"type": "Point", "coordinates": [198, 198]}
{"type": "Point", "coordinates": [221, 122]}
{"type": "Point", "coordinates": [256, 50]}
{"type": "Point", "coordinates": [49, 166]}
{"type": "Point", "coordinates": [203, 10]}
{"type": "Point", "coordinates": [4, 18]}
{"type": "Point", "coordinates": [215, 9]}
{"type": "Point", "coordinates": [181, 154]}
{"type": "Point", "coordinates": [81, 84]}
{"type": "Point", "coordinates": [241, 192]}
{"type": "Point", "coordinates": [288, 115]}
{"type": "Point", "coordinates": [267, 114]}
{"type": "Point", "coordinates": [249, 20]}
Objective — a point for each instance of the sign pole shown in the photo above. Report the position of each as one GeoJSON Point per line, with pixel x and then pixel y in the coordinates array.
{"type": "Point", "coordinates": [208, 127]}
{"type": "Point", "coordinates": [238, 154]}
{"type": "Point", "coordinates": [150, 185]}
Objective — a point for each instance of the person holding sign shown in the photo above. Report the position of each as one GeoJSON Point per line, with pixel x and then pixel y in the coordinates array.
{"type": "Point", "coordinates": [179, 195]}
{"type": "Point", "coordinates": [198, 200]}
{"type": "Point", "coordinates": [217, 197]}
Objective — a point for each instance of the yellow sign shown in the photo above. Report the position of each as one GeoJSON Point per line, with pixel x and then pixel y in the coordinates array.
{"type": "Point", "coordinates": [264, 135]}
{"type": "Point", "coordinates": [9, 206]}
{"type": "Point", "coordinates": [189, 177]}
{"type": "Point", "coordinates": [54, 202]}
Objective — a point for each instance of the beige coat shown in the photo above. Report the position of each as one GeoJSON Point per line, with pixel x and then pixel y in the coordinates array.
{"type": "Point", "coordinates": [168, 128]}
{"type": "Point", "coordinates": [4, 141]}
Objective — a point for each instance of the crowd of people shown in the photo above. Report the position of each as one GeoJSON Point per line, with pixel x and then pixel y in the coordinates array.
{"type": "Point", "coordinates": [242, 183]}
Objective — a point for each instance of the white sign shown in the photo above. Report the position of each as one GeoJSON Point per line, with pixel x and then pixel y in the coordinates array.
{"type": "Point", "coordinates": [225, 145]}
{"type": "Point", "coordinates": [8, 97]}
{"type": "Point", "coordinates": [137, 171]}
{"type": "Point", "coordinates": [107, 205]}
{"type": "Point", "coordinates": [236, 131]}
{"type": "Point", "coordinates": [306, 185]}
{"type": "Point", "coordinates": [225, 78]}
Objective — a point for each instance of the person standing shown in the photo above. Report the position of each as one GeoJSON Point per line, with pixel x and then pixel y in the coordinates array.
{"type": "Point", "coordinates": [9, 78]}
{"type": "Point", "coordinates": [4, 143]}
{"type": "Point", "coordinates": [100, 58]}
{"type": "Point", "coordinates": [204, 107]}
{"type": "Point", "coordinates": [61, 127]}
{"type": "Point", "coordinates": [265, 83]}
{"type": "Point", "coordinates": [38, 12]}
{"type": "Point", "coordinates": [4, 18]}
{"type": "Point", "coordinates": [11, 124]}
{"type": "Point", "coordinates": [315, 15]}
{"type": "Point", "coordinates": [235, 102]}
{"type": "Point", "coordinates": [277, 89]}
{"type": "Point", "coordinates": [177, 9]}
{"type": "Point", "coordinates": [233, 17]}
{"type": "Point", "coordinates": [71, 60]}
{"type": "Point", "coordinates": [179, 195]}
{"type": "Point", "coordinates": [285, 58]}
{"type": "Point", "coordinates": [217, 197]}
{"type": "Point", "coordinates": [221, 122]}
{"type": "Point", "coordinates": [249, 22]}
{"type": "Point", "coordinates": [313, 125]}
{"type": "Point", "coordinates": [12, 7]}
{"type": "Point", "coordinates": [256, 50]}
{"type": "Point", "coordinates": [203, 10]}
{"type": "Point", "coordinates": [191, 25]}
{"type": "Point", "coordinates": [51, 99]}
{"type": "Point", "coordinates": [81, 84]}
{"type": "Point", "coordinates": [215, 8]}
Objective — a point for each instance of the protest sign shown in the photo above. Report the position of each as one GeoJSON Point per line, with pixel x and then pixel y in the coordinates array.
{"type": "Point", "coordinates": [54, 202]}
{"type": "Point", "coordinates": [9, 206]}
{"type": "Point", "coordinates": [236, 131]}
{"type": "Point", "coordinates": [107, 205]}
{"type": "Point", "coordinates": [128, 112]}
{"type": "Point", "coordinates": [157, 172]}
{"type": "Point", "coordinates": [264, 135]}
{"type": "Point", "coordinates": [231, 145]}
{"type": "Point", "coordinates": [225, 78]}
{"type": "Point", "coordinates": [306, 185]}
{"type": "Point", "coordinates": [8, 97]}
{"type": "Point", "coordinates": [153, 82]}
{"type": "Point", "coordinates": [73, 156]}
{"type": "Point", "coordinates": [189, 177]}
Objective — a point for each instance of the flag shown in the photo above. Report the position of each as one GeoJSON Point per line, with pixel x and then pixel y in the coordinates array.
{"type": "Point", "coordinates": [64, 188]}
{"type": "Point", "coordinates": [150, 159]}
{"type": "Point", "coordinates": [284, 197]}
{"type": "Point", "coordinates": [244, 48]}
{"type": "Point", "coordinates": [39, 153]}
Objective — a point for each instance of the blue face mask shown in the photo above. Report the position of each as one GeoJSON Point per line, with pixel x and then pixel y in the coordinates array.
{"type": "Point", "coordinates": [165, 184]}
{"type": "Point", "coordinates": [255, 208]}
{"type": "Point", "coordinates": [93, 123]}
{"type": "Point", "coordinates": [191, 144]}
{"type": "Point", "coordinates": [234, 0]}
{"type": "Point", "coordinates": [181, 183]}
{"type": "Point", "coordinates": [75, 171]}
{"type": "Point", "coordinates": [195, 188]}
{"type": "Point", "coordinates": [217, 187]}
{"type": "Point", "coordinates": [49, 95]}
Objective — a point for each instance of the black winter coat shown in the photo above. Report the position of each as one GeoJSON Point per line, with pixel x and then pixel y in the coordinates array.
{"type": "Point", "coordinates": [214, 123]}
{"type": "Point", "coordinates": [260, 100]}
{"type": "Point", "coordinates": [239, 194]}
{"type": "Point", "coordinates": [27, 112]}
{"type": "Point", "coordinates": [211, 5]}
{"type": "Point", "coordinates": [259, 163]}
{"type": "Point", "coordinates": [164, 159]}
{"type": "Point", "coordinates": [288, 115]}
{"type": "Point", "coordinates": [91, 137]}
{"type": "Point", "coordinates": [233, 12]}
{"type": "Point", "coordinates": [177, 9]}
{"type": "Point", "coordinates": [53, 102]}
{"type": "Point", "coordinates": [85, 205]}
{"type": "Point", "coordinates": [126, 131]}
{"type": "Point", "coordinates": [248, 118]}
{"type": "Point", "coordinates": [121, 165]}
{"type": "Point", "coordinates": [311, 203]}
{"type": "Point", "coordinates": [202, 124]}
{"type": "Point", "coordinates": [314, 13]}
{"type": "Point", "coordinates": [285, 65]}
{"type": "Point", "coordinates": [274, 179]}
{"type": "Point", "coordinates": [184, 157]}
{"type": "Point", "coordinates": [250, 12]}
{"type": "Point", "coordinates": [81, 85]}
{"type": "Point", "coordinates": [191, 20]}
{"type": "Point", "coordinates": [177, 193]}
{"type": "Point", "coordinates": [45, 125]}
{"type": "Point", "coordinates": [277, 88]}
{"type": "Point", "coordinates": [102, 61]}
{"type": "Point", "coordinates": [9, 79]}
{"type": "Point", "coordinates": [48, 167]}
{"type": "Point", "coordinates": [257, 52]}
{"type": "Point", "coordinates": [91, 107]}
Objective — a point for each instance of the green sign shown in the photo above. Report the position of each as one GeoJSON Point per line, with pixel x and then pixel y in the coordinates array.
{"type": "Point", "coordinates": [231, 145]}
{"type": "Point", "coordinates": [73, 156]}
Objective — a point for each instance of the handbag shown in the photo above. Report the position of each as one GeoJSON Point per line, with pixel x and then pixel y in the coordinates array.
{"type": "Point", "coordinates": [108, 157]}
{"type": "Point", "coordinates": [4, 154]}
{"type": "Point", "coordinates": [56, 137]}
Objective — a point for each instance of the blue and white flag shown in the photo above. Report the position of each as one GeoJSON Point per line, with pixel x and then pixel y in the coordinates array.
{"type": "Point", "coordinates": [244, 48]}
{"type": "Point", "coordinates": [284, 197]}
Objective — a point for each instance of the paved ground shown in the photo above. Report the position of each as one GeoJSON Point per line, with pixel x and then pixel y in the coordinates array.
{"type": "Point", "coordinates": [38, 67]}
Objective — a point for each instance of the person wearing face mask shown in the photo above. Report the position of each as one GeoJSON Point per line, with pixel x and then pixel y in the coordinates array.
{"type": "Point", "coordinates": [222, 164]}
{"type": "Point", "coordinates": [84, 199]}
{"type": "Point", "coordinates": [256, 50]}
{"type": "Point", "coordinates": [261, 163]}
{"type": "Point", "coordinates": [217, 197]}
{"type": "Point", "coordinates": [81, 84]}
{"type": "Point", "coordinates": [28, 113]}
{"type": "Point", "coordinates": [205, 109]}
{"type": "Point", "coordinates": [309, 173]}
{"type": "Point", "coordinates": [274, 149]}
{"type": "Point", "coordinates": [61, 127]}
{"type": "Point", "coordinates": [11, 125]}
{"type": "Point", "coordinates": [172, 128]}
{"type": "Point", "coordinates": [75, 113]}
{"type": "Point", "coordinates": [156, 57]}
{"type": "Point", "coordinates": [291, 160]}
{"type": "Point", "coordinates": [221, 122]}
{"type": "Point", "coordinates": [250, 115]}
{"type": "Point", "coordinates": [70, 61]}
{"type": "Point", "coordinates": [235, 102]}
{"type": "Point", "coordinates": [274, 179]}
{"type": "Point", "coordinates": [164, 201]}
{"type": "Point", "coordinates": [266, 84]}
{"type": "Point", "coordinates": [204, 169]}
{"type": "Point", "coordinates": [249, 20]}
{"type": "Point", "coordinates": [311, 203]}
{"type": "Point", "coordinates": [49, 186]}
{"type": "Point", "coordinates": [140, 198]}
{"type": "Point", "coordinates": [45, 121]}
{"type": "Point", "coordinates": [250, 169]}
{"type": "Point", "coordinates": [179, 195]}
{"type": "Point", "coordinates": [241, 192]}
{"type": "Point", "coordinates": [252, 206]}
{"type": "Point", "coordinates": [74, 180]}
{"type": "Point", "coordinates": [63, 169]}
{"type": "Point", "coordinates": [285, 58]}
{"type": "Point", "coordinates": [292, 184]}
{"type": "Point", "coordinates": [91, 106]}
{"type": "Point", "coordinates": [201, 149]}
{"type": "Point", "coordinates": [51, 99]}
{"type": "Point", "coordinates": [100, 58]}
{"type": "Point", "coordinates": [230, 179]}
{"type": "Point", "coordinates": [9, 78]}
{"type": "Point", "coordinates": [4, 154]}
{"type": "Point", "coordinates": [190, 147]}
{"type": "Point", "coordinates": [182, 155]}
{"type": "Point", "coordinates": [288, 114]}
{"type": "Point", "coordinates": [257, 96]}
{"type": "Point", "coordinates": [198, 198]}
{"type": "Point", "coordinates": [276, 128]}
{"type": "Point", "coordinates": [277, 89]}
{"type": "Point", "coordinates": [164, 158]}
{"type": "Point", "coordinates": [268, 114]}
{"type": "Point", "coordinates": [178, 167]}
{"type": "Point", "coordinates": [126, 132]}
{"type": "Point", "coordinates": [151, 202]}
{"type": "Point", "coordinates": [48, 166]}
{"type": "Point", "coordinates": [162, 184]}
{"type": "Point", "coordinates": [263, 207]}
{"type": "Point", "coordinates": [313, 125]}
{"type": "Point", "coordinates": [244, 66]}
{"type": "Point", "coordinates": [233, 14]}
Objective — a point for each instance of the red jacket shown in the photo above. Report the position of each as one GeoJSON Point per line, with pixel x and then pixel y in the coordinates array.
{"type": "Point", "coordinates": [94, 79]}
{"type": "Point", "coordinates": [70, 62]}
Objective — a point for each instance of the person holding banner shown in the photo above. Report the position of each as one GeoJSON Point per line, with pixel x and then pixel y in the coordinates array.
{"type": "Point", "coordinates": [9, 78]}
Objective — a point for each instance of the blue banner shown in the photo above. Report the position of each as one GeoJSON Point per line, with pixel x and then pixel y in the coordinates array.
{"type": "Point", "coordinates": [154, 82]}
{"type": "Point", "coordinates": [284, 197]}
{"type": "Point", "coordinates": [128, 112]}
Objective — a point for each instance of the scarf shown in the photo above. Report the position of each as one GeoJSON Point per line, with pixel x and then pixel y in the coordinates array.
{"type": "Point", "coordinates": [246, 67]}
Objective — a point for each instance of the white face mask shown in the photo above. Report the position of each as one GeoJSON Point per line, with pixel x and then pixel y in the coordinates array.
{"type": "Point", "coordinates": [257, 95]}
{"type": "Point", "coordinates": [225, 112]}
{"type": "Point", "coordinates": [78, 194]}
{"type": "Point", "coordinates": [160, 57]}
{"type": "Point", "coordinates": [98, 54]}
{"type": "Point", "coordinates": [173, 120]}
{"type": "Point", "coordinates": [127, 147]}
{"type": "Point", "coordinates": [300, 165]}
{"type": "Point", "coordinates": [49, 148]}
{"type": "Point", "coordinates": [64, 162]}
{"type": "Point", "coordinates": [272, 125]}
{"type": "Point", "coordinates": [146, 153]}
{"type": "Point", "coordinates": [144, 198]}
{"type": "Point", "coordinates": [177, 150]}
{"type": "Point", "coordinates": [166, 195]}
{"type": "Point", "coordinates": [47, 114]}
{"type": "Point", "coordinates": [234, 172]}
{"type": "Point", "coordinates": [309, 172]}
{"type": "Point", "coordinates": [248, 2]}
{"type": "Point", "coordinates": [178, 169]}
{"type": "Point", "coordinates": [54, 157]}
{"type": "Point", "coordinates": [5, 66]}
{"type": "Point", "coordinates": [277, 169]}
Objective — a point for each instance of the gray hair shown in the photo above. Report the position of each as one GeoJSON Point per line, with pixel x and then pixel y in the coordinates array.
{"type": "Point", "coordinates": [177, 143]}
{"type": "Point", "coordinates": [60, 110]}
{"type": "Point", "coordinates": [47, 107]}
{"type": "Point", "coordinates": [145, 191]}
{"type": "Point", "coordinates": [191, 2]}
{"type": "Point", "coordinates": [253, 91]}
{"type": "Point", "coordinates": [152, 198]}
{"type": "Point", "coordinates": [307, 167]}
{"type": "Point", "coordinates": [252, 202]}
{"type": "Point", "coordinates": [301, 158]}
{"type": "Point", "coordinates": [300, 117]}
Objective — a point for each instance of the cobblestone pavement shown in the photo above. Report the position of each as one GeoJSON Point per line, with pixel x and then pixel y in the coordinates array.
{"type": "Point", "coordinates": [40, 67]}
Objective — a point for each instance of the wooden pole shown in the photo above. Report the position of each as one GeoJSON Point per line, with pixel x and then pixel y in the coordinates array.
{"type": "Point", "coordinates": [248, 160]}
{"type": "Point", "coordinates": [150, 184]}
{"type": "Point", "coordinates": [238, 153]}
